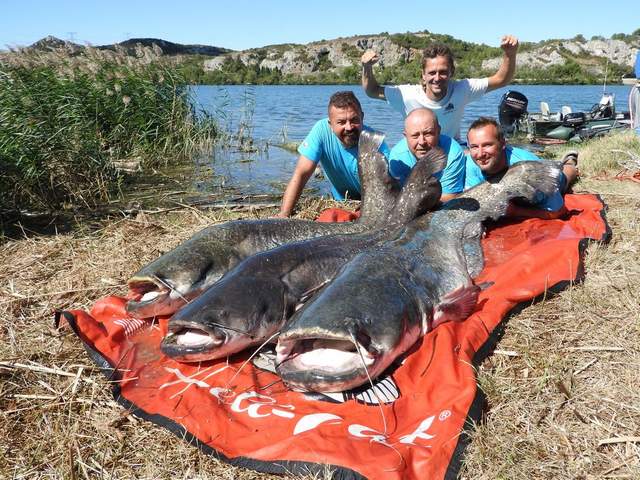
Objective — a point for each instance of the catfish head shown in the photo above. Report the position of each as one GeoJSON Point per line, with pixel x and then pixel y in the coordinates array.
{"type": "Point", "coordinates": [236, 313]}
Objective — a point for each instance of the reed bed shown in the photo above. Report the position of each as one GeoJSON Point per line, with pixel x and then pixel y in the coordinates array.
{"type": "Point", "coordinates": [69, 122]}
{"type": "Point", "coordinates": [562, 387]}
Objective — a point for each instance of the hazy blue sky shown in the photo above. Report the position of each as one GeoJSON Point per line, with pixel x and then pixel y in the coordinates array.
{"type": "Point", "coordinates": [241, 24]}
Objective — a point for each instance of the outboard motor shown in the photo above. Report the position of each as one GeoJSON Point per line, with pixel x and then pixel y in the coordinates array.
{"type": "Point", "coordinates": [574, 120]}
{"type": "Point", "coordinates": [513, 107]}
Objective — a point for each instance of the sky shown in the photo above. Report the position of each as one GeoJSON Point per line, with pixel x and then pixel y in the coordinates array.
{"type": "Point", "coordinates": [242, 24]}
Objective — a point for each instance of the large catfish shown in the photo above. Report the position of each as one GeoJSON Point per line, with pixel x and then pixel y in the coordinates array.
{"type": "Point", "coordinates": [251, 302]}
{"type": "Point", "coordinates": [387, 297]}
{"type": "Point", "coordinates": [180, 275]}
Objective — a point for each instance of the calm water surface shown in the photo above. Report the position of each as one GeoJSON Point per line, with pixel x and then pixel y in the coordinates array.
{"type": "Point", "coordinates": [286, 113]}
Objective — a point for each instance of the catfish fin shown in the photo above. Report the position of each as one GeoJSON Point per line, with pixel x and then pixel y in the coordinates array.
{"type": "Point", "coordinates": [456, 305]}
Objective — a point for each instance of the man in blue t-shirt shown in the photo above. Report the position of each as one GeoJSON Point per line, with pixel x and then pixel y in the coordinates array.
{"type": "Point", "coordinates": [490, 155]}
{"type": "Point", "coordinates": [421, 134]}
{"type": "Point", "coordinates": [332, 142]}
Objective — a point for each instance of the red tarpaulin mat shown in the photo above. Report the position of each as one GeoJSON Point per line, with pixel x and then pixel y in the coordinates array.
{"type": "Point", "coordinates": [248, 418]}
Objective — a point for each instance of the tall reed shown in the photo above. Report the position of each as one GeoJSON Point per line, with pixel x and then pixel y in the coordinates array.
{"type": "Point", "coordinates": [67, 120]}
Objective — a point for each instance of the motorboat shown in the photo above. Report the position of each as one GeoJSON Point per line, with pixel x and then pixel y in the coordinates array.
{"type": "Point", "coordinates": [546, 126]}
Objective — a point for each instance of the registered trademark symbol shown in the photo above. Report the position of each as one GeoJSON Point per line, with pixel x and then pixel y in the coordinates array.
{"type": "Point", "coordinates": [444, 415]}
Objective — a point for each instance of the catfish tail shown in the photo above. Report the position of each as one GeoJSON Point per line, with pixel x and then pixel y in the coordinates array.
{"type": "Point", "coordinates": [379, 189]}
{"type": "Point", "coordinates": [422, 190]}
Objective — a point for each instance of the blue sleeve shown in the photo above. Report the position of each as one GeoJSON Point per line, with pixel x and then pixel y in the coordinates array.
{"type": "Point", "coordinates": [401, 161]}
{"type": "Point", "coordinates": [384, 149]}
{"type": "Point", "coordinates": [472, 174]}
{"type": "Point", "coordinates": [311, 146]}
{"type": "Point", "coordinates": [452, 179]}
{"type": "Point", "coordinates": [515, 155]}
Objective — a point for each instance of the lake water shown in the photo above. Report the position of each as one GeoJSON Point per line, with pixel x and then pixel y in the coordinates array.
{"type": "Point", "coordinates": [286, 113]}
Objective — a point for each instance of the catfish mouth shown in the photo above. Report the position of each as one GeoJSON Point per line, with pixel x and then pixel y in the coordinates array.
{"type": "Point", "coordinates": [191, 342]}
{"type": "Point", "coordinates": [148, 298]}
{"type": "Point", "coordinates": [324, 364]}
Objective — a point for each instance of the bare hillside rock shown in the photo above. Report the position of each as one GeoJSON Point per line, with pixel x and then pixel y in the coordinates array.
{"type": "Point", "coordinates": [317, 56]}
{"type": "Point", "coordinates": [586, 53]}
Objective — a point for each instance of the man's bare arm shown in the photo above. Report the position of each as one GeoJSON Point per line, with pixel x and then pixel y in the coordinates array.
{"type": "Point", "coordinates": [445, 197]}
{"type": "Point", "coordinates": [369, 82]}
{"type": "Point", "coordinates": [504, 75]}
{"type": "Point", "coordinates": [302, 173]}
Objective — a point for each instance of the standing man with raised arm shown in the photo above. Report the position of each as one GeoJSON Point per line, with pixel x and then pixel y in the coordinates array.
{"type": "Point", "coordinates": [332, 142]}
{"type": "Point", "coordinates": [438, 91]}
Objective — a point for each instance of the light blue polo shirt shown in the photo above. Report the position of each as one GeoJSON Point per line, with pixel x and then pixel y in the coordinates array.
{"type": "Point", "coordinates": [474, 176]}
{"type": "Point", "coordinates": [401, 161]}
{"type": "Point", "coordinates": [339, 164]}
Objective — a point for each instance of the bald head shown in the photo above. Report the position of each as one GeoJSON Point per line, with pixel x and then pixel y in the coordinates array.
{"type": "Point", "coordinates": [422, 131]}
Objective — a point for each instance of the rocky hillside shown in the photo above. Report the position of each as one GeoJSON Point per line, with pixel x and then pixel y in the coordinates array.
{"type": "Point", "coordinates": [591, 57]}
{"type": "Point", "coordinates": [330, 55]}
{"type": "Point", "coordinates": [592, 54]}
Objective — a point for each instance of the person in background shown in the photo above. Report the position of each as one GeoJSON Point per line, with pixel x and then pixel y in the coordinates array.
{"type": "Point", "coordinates": [489, 155]}
{"type": "Point", "coordinates": [439, 91]}
{"type": "Point", "coordinates": [332, 143]}
{"type": "Point", "coordinates": [421, 134]}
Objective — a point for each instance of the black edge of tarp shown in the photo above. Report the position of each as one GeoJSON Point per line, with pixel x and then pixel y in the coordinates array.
{"type": "Point", "coordinates": [273, 467]}
{"type": "Point", "coordinates": [479, 402]}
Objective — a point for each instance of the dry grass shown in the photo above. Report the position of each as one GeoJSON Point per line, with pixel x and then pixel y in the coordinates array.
{"type": "Point", "coordinates": [608, 154]}
{"type": "Point", "coordinates": [573, 384]}
{"type": "Point", "coordinates": [61, 422]}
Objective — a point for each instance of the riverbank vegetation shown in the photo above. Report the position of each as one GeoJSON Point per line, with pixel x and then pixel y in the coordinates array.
{"type": "Point", "coordinates": [70, 123]}
{"type": "Point", "coordinates": [561, 389]}
{"type": "Point", "coordinates": [234, 72]}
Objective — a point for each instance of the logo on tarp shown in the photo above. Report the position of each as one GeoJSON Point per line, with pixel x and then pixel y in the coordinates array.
{"type": "Point", "coordinates": [259, 406]}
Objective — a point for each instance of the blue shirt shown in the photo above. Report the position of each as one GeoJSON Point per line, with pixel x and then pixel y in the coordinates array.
{"type": "Point", "coordinates": [474, 176]}
{"type": "Point", "coordinates": [340, 164]}
{"type": "Point", "coordinates": [401, 161]}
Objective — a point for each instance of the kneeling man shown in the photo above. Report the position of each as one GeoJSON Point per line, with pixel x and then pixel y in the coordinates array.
{"type": "Point", "coordinates": [332, 142]}
{"type": "Point", "coordinates": [421, 134]}
{"type": "Point", "coordinates": [489, 155]}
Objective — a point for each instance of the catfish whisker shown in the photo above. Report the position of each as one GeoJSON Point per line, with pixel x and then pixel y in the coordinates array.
{"type": "Point", "coordinates": [384, 421]}
{"type": "Point", "coordinates": [226, 327]}
{"type": "Point", "coordinates": [170, 287]}
{"type": "Point", "coordinates": [373, 389]}
{"type": "Point", "coordinates": [250, 358]}
{"type": "Point", "coordinates": [271, 384]}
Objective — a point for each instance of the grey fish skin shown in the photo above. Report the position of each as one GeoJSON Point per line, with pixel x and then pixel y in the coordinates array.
{"type": "Point", "coordinates": [253, 301]}
{"type": "Point", "coordinates": [389, 296]}
{"type": "Point", "coordinates": [182, 274]}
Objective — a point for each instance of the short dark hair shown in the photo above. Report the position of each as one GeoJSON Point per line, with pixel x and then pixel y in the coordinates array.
{"type": "Point", "coordinates": [438, 50]}
{"type": "Point", "coordinates": [485, 121]}
{"type": "Point", "coordinates": [344, 99]}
